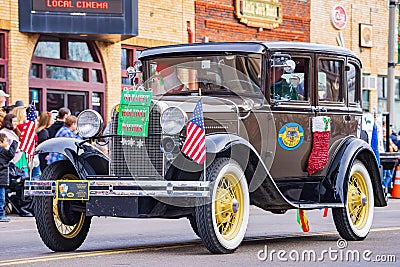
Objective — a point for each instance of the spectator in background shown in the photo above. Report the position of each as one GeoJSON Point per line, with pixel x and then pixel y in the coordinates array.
{"type": "Point", "coordinates": [19, 103]}
{"type": "Point", "coordinates": [20, 113]}
{"type": "Point", "coordinates": [6, 155]}
{"type": "Point", "coordinates": [10, 129]}
{"type": "Point", "coordinates": [63, 113]}
{"type": "Point", "coordinates": [45, 120]}
{"type": "Point", "coordinates": [68, 130]}
{"type": "Point", "coordinates": [3, 99]}
{"type": "Point", "coordinates": [2, 115]}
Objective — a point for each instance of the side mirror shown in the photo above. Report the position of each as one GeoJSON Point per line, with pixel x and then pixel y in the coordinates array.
{"type": "Point", "coordinates": [132, 71]}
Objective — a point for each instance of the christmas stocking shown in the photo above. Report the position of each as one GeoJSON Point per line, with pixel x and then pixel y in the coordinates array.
{"type": "Point", "coordinates": [321, 127]}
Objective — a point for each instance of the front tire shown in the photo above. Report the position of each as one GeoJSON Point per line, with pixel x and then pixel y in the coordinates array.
{"type": "Point", "coordinates": [60, 227]}
{"type": "Point", "coordinates": [222, 222]}
{"type": "Point", "coordinates": [354, 221]}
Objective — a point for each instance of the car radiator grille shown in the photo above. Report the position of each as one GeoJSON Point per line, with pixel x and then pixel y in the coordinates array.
{"type": "Point", "coordinates": [138, 157]}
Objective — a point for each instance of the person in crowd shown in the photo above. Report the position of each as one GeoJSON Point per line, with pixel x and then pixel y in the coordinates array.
{"type": "Point", "coordinates": [19, 103]}
{"type": "Point", "coordinates": [7, 153]}
{"type": "Point", "coordinates": [63, 113]}
{"type": "Point", "coordinates": [280, 88]}
{"type": "Point", "coordinates": [68, 130]}
{"type": "Point", "coordinates": [3, 99]}
{"type": "Point", "coordinates": [20, 113]}
{"type": "Point", "coordinates": [2, 115]}
{"type": "Point", "coordinates": [45, 120]}
{"type": "Point", "coordinates": [10, 129]}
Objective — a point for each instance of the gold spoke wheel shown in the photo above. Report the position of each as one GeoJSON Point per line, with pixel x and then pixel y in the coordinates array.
{"type": "Point", "coordinates": [67, 231]}
{"type": "Point", "coordinates": [229, 205]}
{"type": "Point", "coordinates": [357, 200]}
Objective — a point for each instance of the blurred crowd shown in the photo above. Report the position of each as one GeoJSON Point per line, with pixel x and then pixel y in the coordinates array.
{"type": "Point", "coordinates": [12, 119]}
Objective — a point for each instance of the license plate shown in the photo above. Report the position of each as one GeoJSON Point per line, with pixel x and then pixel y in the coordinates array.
{"type": "Point", "coordinates": [72, 190]}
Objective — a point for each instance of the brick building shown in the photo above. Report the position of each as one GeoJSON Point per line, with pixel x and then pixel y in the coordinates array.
{"type": "Point", "coordinates": [229, 20]}
{"type": "Point", "coordinates": [366, 34]}
{"type": "Point", "coordinates": [55, 66]}
{"type": "Point", "coordinates": [51, 68]}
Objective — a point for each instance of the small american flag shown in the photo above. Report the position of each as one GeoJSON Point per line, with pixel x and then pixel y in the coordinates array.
{"type": "Point", "coordinates": [195, 143]}
{"type": "Point", "coordinates": [28, 136]}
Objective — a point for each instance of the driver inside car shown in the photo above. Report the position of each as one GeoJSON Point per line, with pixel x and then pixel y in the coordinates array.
{"type": "Point", "coordinates": [280, 88]}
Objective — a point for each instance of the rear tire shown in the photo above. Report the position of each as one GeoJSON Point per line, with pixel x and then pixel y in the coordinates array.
{"type": "Point", "coordinates": [354, 221]}
{"type": "Point", "coordinates": [222, 222]}
{"type": "Point", "coordinates": [60, 228]}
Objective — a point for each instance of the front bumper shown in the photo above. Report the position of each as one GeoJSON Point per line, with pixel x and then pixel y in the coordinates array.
{"type": "Point", "coordinates": [112, 187]}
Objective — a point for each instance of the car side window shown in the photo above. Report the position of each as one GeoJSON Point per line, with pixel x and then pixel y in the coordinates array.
{"type": "Point", "coordinates": [291, 85]}
{"type": "Point", "coordinates": [330, 80]}
{"type": "Point", "coordinates": [353, 77]}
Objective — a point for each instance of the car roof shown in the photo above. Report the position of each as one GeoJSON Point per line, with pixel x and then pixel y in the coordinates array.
{"type": "Point", "coordinates": [245, 47]}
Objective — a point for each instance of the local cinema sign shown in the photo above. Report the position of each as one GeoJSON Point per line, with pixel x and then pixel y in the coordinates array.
{"type": "Point", "coordinates": [94, 6]}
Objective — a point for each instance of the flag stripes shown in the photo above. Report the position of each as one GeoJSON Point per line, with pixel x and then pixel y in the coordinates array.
{"type": "Point", "coordinates": [195, 143]}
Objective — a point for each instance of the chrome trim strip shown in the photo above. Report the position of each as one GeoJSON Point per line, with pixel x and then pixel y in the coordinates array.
{"type": "Point", "coordinates": [198, 189]}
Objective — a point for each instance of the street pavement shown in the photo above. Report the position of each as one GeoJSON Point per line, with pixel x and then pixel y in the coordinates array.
{"type": "Point", "coordinates": [270, 240]}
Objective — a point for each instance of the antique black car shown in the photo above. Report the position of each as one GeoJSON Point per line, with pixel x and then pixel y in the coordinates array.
{"type": "Point", "coordinates": [212, 129]}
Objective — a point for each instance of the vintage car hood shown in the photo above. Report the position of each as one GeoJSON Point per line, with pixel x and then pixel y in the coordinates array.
{"type": "Point", "coordinates": [211, 104]}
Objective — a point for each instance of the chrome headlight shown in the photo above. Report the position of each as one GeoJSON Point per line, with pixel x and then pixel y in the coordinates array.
{"type": "Point", "coordinates": [173, 119]}
{"type": "Point", "coordinates": [89, 123]}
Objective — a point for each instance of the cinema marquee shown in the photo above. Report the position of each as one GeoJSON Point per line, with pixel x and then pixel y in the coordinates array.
{"type": "Point", "coordinates": [107, 7]}
{"type": "Point", "coordinates": [103, 20]}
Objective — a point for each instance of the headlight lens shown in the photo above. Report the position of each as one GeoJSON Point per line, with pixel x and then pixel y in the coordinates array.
{"type": "Point", "coordinates": [89, 123]}
{"type": "Point", "coordinates": [173, 120]}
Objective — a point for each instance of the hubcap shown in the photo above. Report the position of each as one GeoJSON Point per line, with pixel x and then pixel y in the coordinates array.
{"type": "Point", "coordinates": [67, 231]}
{"type": "Point", "coordinates": [357, 200]}
{"type": "Point", "coordinates": [229, 205]}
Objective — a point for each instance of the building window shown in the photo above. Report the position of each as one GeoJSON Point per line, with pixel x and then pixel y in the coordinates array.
{"type": "Point", "coordinates": [3, 61]}
{"type": "Point", "coordinates": [129, 55]}
{"type": "Point", "coordinates": [67, 72]}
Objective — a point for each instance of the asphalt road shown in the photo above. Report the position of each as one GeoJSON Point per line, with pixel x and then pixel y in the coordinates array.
{"type": "Point", "coordinates": [270, 240]}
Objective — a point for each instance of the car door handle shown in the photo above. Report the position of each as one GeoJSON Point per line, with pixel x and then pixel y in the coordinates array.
{"type": "Point", "coordinates": [319, 109]}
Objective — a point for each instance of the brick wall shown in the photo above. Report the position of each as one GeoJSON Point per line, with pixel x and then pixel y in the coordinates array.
{"type": "Point", "coordinates": [217, 20]}
{"type": "Point", "coordinates": [374, 12]}
{"type": "Point", "coordinates": [160, 23]}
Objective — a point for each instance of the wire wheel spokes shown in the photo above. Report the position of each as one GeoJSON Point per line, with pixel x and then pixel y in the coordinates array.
{"type": "Point", "coordinates": [229, 203]}
{"type": "Point", "coordinates": [67, 231]}
{"type": "Point", "coordinates": [357, 200]}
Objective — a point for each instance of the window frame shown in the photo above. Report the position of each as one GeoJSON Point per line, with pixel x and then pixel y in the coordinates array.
{"type": "Point", "coordinates": [342, 84]}
{"type": "Point", "coordinates": [4, 59]}
{"type": "Point", "coordinates": [132, 58]}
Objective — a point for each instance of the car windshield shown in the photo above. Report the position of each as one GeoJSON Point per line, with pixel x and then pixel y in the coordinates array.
{"type": "Point", "coordinates": [217, 75]}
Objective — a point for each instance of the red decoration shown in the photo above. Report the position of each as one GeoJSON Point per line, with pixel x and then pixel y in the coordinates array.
{"type": "Point", "coordinates": [319, 153]}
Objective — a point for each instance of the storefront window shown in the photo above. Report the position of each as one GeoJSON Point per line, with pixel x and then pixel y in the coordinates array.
{"type": "Point", "coordinates": [3, 61]}
{"type": "Point", "coordinates": [79, 51]}
{"type": "Point", "coordinates": [48, 49]}
{"type": "Point", "coordinates": [62, 73]}
{"type": "Point", "coordinates": [35, 71]}
{"type": "Point", "coordinates": [67, 72]}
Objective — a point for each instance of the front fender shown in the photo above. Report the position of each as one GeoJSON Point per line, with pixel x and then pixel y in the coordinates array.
{"type": "Point", "coordinates": [336, 181]}
{"type": "Point", "coordinates": [86, 159]}
{"type": "Point", "coordinates": [264, 191]}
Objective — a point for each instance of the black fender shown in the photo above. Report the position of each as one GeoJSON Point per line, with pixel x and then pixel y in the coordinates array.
{"type": "Point", "coordinates": [263, 190]}
{"type": "Point", "coordinates": [85, 158]}
{"type": "Point", "coordinates": [334, 185]}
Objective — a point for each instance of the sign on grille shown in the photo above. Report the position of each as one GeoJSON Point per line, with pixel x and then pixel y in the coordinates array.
{"type": "Point", "coordinates": [134, 113]}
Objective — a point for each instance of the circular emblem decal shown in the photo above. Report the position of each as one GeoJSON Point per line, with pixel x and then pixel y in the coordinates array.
{"type": "Point", "coordinates": [291, 136]}
{"type": "Point", "coordinates": [339, 17]}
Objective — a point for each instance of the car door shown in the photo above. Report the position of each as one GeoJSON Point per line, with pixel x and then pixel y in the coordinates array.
{"type": "Point", "coordinates": [292, 120]}
{"type": "Point", "coordinates": [331, 105]}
